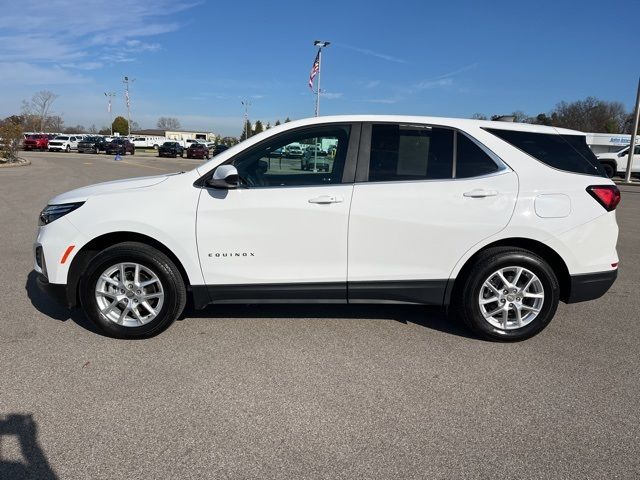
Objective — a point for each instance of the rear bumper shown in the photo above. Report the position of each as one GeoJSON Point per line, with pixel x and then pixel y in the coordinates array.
{"type": "Point", "coordinates": [589, 286]}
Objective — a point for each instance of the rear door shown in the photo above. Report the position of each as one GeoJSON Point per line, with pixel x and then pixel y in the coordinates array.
{"type": "Point", "coordinates": [424, 195]}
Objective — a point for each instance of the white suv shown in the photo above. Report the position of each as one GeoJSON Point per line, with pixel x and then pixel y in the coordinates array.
{"type": "Point", "coordinates": [64, 143]}
{"type": "Point", "coordinates": [498, 221]}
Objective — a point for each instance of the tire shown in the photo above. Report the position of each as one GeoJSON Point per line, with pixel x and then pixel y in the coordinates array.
{"type": "Point", "coordinates": [609, 169]}
{"type": "Point", "coordinates": [68, 149]}
{"type": "Point", "coordinates": [133, 152]}
{"type": "Point", "coordinates": [153, 264]}
{"type": "Point", "coordinates": [467, 295]}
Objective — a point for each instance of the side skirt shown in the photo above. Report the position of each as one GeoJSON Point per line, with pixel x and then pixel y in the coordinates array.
{"type": "Point", "coordinates": [420, 292]}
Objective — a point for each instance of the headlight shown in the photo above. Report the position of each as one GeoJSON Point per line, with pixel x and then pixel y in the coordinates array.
{"type": "Point", "coordinates": [54, 212]}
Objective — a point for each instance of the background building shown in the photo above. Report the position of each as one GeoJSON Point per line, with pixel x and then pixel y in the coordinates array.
{"type": "Point", "coordinates": [177, 134]}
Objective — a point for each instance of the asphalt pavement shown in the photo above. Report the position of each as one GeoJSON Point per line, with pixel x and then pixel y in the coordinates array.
{"type": "Point", "coordinates": [305, 392]}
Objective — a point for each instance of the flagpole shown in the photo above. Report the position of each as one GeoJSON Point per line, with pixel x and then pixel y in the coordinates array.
{"type": "Point", "coordinates": [319, 75]}
{"type": "Point", "coordinates": [320, 46]}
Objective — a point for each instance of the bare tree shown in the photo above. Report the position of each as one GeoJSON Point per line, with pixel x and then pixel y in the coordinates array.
{"type": "Point", "coordinates": [39, 106]}
{"type": "Point", "coordinates": [168, 123]}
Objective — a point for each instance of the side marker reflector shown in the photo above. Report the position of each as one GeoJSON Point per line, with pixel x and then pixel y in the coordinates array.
{"type": "Point", "coordinates": [66, 254]}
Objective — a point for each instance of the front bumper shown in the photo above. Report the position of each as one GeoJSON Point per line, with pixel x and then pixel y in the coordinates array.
{"type": "Point", "coordinates": [589, 286]}
{"type": "Point", "coordinates": [57, 291]}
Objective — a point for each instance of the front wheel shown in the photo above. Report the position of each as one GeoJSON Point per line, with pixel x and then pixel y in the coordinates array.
{"type": "Point", "coordinates": [68, 149]}
{"type": "Point", "coordinates": [509, 294]}
{"type": "Point", "coordinates": [131, 290]}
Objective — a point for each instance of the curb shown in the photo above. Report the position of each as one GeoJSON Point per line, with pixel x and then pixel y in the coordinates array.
{"type": "Point", "coordinates": [19, 163]}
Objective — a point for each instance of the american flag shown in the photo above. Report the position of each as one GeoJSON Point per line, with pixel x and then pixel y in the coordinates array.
{"type": "Point", "coordinates": [126, 96]}
{"type": "Point", "coordinates": [314, 70]}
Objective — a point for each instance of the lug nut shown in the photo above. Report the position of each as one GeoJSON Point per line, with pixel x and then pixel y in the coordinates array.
{"type": "Point", "coordinates": [511, 304]}
{"type": "Point", "coordinates": [138, 292]}
{"type": "Point", "coordinates": [502, 301]}
{"type": "Point", "coordinates": [122, 290]}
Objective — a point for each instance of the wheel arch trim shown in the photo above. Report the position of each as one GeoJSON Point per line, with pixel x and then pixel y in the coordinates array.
{"type": "Point", "coordinates": [555, 260]}
{"type": "Point", "coordinates": [83, 257]}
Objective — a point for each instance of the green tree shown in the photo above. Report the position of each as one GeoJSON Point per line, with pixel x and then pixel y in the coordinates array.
{"type": "Point", "coordinates": [287, 120]}
{"type": "Point", "coordinates": [246, 131]}
{"type": "Point", "coordinates": [268, 125]}
{"type": "Point", "coordinates": [277, 122]}
{"type": "Point", "coordinates": [121, 126]}
{"type": "Point", "coordinates": [11, 135]}
{"type": "Point", "coordinates": [258, 128]}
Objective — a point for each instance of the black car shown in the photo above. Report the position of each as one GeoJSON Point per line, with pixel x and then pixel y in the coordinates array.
{"type": "Point", "coordinates": [218, 149]}
{"type": "Point", "coordinates": [170, 149]}
{"type": "Point", "coordinates": [92, 145]}
{"type": "Point", "coordinates": [120, 146]}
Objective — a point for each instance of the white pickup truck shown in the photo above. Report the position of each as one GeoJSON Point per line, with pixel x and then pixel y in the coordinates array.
{"type": "Point", "coordinates": [616, 162]}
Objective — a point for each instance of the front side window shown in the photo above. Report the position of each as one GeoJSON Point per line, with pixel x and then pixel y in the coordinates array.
{"type": "Point", "coordinates": [288, 161]}
{"type": "Point", "coordinates": [406, 152]}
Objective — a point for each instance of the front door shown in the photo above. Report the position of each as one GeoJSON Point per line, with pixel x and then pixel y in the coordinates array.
{"type": "Point", "coordinates": [282, 235]}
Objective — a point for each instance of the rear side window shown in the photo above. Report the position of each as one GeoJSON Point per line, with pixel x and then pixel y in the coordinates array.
{"type": "Point", "coordinates": [564, 152]}
{"type": "Point", "coordinates": [404, 152]}
{"type": "Point", "coordinates": [471, 160]}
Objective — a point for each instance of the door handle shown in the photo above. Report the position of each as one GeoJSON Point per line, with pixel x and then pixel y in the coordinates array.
{"type": "Point", "coordinates": [480, 193]}
{"type": "Point", "coordinates": [325, 199]}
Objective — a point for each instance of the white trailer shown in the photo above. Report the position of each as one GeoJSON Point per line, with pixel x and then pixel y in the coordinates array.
{"type": "Point", "coordinates": [148, 141]}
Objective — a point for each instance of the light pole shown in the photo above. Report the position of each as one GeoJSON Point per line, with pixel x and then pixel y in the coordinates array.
{"type": "Point", "coordinates": [320, 44]}
{"type": "Point", "coordinates": [109, 95]}
{"type": "Point", "coordinates": [246, 104]}
{"type": "Point", "coordinates": [632, 145]}
{"type": "Point", "coordinates": [126, 81]}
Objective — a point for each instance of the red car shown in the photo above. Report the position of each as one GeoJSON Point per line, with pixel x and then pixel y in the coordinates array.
{"type": "Point", "coordinates": [198, 150]}
{"type": "Point", "coordinates": [38, 141]}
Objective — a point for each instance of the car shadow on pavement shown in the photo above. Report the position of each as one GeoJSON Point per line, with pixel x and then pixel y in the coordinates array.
{"type": "Point", "coordinates": [429, 317]}
{"type": "Point", "coordinates": [51, 308]}
{"type": "Point", "coordinates": [35, 464]}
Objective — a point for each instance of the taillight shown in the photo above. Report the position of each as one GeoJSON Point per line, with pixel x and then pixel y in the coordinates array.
{"type": "Point", "coordinates": [606, 195]}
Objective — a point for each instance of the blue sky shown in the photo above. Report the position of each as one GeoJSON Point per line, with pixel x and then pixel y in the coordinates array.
{"type": "Point", "coordinates": [196, 60]}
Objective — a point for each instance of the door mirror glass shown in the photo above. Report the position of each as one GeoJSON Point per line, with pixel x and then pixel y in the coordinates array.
{"type": "Point", "coordinates": [225, 176]}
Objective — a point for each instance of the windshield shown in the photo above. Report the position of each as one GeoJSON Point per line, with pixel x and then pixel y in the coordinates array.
{"type": "Point", "coordinates": [62, 138]}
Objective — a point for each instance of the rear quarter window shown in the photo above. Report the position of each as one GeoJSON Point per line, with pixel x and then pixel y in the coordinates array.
{"type": "Point", "coordinates": [569, 153]}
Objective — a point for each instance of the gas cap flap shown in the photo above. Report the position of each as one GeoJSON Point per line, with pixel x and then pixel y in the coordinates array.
{"type": "Point", "coordinates": [553, 205]}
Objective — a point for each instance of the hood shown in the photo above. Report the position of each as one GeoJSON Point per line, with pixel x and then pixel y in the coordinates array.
{"type": "Point", "coordinates": [607, 156]}
{"type": "Point", "coordinates": [83, 193]}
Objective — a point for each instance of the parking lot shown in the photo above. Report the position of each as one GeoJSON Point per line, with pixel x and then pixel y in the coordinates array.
{"type": "Point", "coordinates": [305, 391]}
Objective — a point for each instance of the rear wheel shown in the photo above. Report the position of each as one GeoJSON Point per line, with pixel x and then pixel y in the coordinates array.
{"type": "Point", "coordinates": [132, 290]}
{"type": "Point", "coordinates": [509, 294]}
{"type": "Point", "coordinates": [609, 169]}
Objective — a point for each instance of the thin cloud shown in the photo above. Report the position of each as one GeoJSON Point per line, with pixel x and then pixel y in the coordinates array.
{"type": "Point", "coordinates": [458, 71]}
{"type": "Point", "coordinates": [331, 95]}
{"type": "Point", "coordinates": [28, 33]}
{"type": "Point", "coordinates": [371, 53]}
{"type": "Point", "coordinates": [22, 73]}
{"type": "Point", "coordinates": [385, 101]}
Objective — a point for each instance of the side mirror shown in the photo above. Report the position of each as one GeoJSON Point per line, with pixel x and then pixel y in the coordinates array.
{"type": "Point", "coordinates": [225, 176]}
